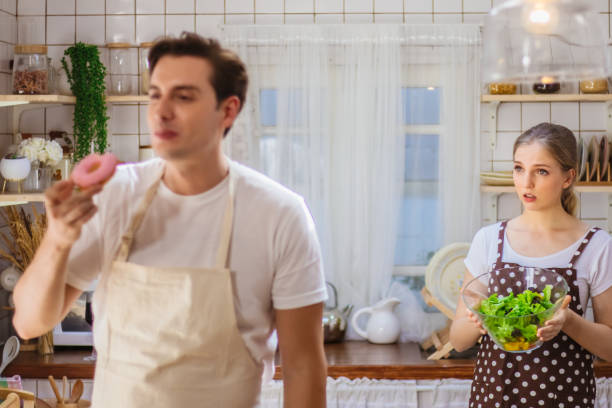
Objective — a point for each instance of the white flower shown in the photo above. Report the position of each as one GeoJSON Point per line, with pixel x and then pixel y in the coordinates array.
{"type": "Point", "coordinates": [47, 152]}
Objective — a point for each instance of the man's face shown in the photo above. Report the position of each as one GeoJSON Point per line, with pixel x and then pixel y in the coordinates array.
{"type": "Point", "coordinates": [185, 119]}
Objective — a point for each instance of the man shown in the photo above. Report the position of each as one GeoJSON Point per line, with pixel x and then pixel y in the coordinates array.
{"type": "Point", "coordinates": [197, 258]}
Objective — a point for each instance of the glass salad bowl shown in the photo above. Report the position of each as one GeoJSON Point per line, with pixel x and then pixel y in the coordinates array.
{"type": "Point", "coordinates": [513, 303]}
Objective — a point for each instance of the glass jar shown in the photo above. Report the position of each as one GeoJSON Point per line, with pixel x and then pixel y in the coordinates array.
{"type": "Point", "coordinates": [120, 68]}
{"type": "Point", "coordinates": [500, 88]}
{"type": "Point", "coordinates": [30, 70]}
{"type": "Point", "coordinates": [145, 47]}
{"type": "Point", "coordinates": [599, 85]}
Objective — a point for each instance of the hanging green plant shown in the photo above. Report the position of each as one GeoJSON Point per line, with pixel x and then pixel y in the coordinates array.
{"type": "Point", "coordinates": [86, 79]}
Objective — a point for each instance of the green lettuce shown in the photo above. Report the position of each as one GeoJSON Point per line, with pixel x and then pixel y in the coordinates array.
{"type": "Point", "coordinates": [516, 318]}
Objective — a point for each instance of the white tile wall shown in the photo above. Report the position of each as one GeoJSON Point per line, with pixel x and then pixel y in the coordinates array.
{"type": "Point", "coordinates": [135, 21]}
{"type": "Point", "coordinates": [90, 29]}
{"type": "Point", "coordinates": [31, 30]}
{"type": "Point", "coordinates": [149, 27]}
{"type": "Point", "coordinates": [60, 7]}
{"type": "Point", "coordinates": [362, 6]}
{"type": "Point", "coordinates": [447, 6]}
{"type": "Point", "coordinates": [328, 6]}
{"type": "Point", "coordinates": [418, 6]}
{"type": "Point", "coordinates": [176, 24]}
{"type": "Point", "coordinates": [31, 7]}
{"type": "Point", "coordinates": [246, 6]}
{"type": "Point", "coordinates": [180, 7]}
{"type": "Point", "coordinates": [10, 6]}
{"type": "Point", "coordinates": [150, 6]}
{"type": "Point", "coordinates": [389, 6]}
{"type": "Point", "coordinates": [218, 6]}
{"type": "Point", "coordinates": [296, 6]}
{"type": "Point", "coordinates": [89, 7]}
{"type": "Point", "coordinates": [273, 6]}
{"type": "Point", "coordinates": [60, 30]}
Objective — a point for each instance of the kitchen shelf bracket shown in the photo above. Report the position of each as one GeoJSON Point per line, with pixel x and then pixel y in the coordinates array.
{"type": "Point", "coordinates": [18, 110]}
{"type": "Point", "coordinates": [609, 213]}
{"type": "Point", "coordinates": [609, 118]}
{"type": "Point", "coordinates": [490, 210]}
{"type": "Point", "coordinates": [493, 109]}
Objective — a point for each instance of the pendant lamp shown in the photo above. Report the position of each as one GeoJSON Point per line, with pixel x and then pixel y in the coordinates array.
{"type": "Point", "coordinates": [544, 41]}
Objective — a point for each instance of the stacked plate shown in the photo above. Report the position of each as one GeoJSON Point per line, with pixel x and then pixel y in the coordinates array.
{"type": "Point", "coordinates": [596, 153]}
{"type": "Point", "coordinates": [497, 178]}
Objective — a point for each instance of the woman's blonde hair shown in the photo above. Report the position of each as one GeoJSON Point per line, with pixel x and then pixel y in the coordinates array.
{"type": "Point", "coordinates": [560, 142]}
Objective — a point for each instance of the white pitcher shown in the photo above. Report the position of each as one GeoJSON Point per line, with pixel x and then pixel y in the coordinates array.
{"type": "Point", "coordinates": [383, 325]}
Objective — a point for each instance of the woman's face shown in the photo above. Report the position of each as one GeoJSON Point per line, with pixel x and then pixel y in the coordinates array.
{"type": "Point", "coordinates": [539, 179]}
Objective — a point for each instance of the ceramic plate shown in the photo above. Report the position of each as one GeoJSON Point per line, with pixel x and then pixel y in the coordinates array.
{"type": "Point", "coordinates": [499, 174]}
{"type": "Point", "coordinates": [584, 154]}
{"type": "Point", "coordinates": [604, 148]}
{"type": "Point", "coordinates": [444, 273]}
{"type": "Point", "coordinates": [496, 181]}
{"type": "Point", "coordinates": [593, 158]}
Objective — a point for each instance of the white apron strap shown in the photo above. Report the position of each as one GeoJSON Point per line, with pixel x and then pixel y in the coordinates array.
{"type": "Point", "coordinates": [226, 227]}
{"type": "Point", "coordinates": [128, 236]}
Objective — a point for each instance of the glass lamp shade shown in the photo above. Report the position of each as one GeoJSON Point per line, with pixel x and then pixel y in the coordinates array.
{"type": "Point", "coordinates": [544, 41]}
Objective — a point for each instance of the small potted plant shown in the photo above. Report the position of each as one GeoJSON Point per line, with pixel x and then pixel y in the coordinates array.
{"type": "Point", "coordinates": [14, 168]}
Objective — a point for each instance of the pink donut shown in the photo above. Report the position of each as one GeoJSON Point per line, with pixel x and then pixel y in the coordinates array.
{"type": "Point", "coordinates": [94, 169]}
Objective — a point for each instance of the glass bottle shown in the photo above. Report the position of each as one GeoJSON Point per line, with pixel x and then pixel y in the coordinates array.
{"type": "Point", "coordinates": [120, 68]}
{"type": "Point", "coordinates": [145, 47]}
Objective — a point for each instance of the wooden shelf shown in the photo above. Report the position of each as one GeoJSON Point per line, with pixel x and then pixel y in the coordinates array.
{"type": "Point", "coordinates": [577, 188]}
{"type": "Point", "coordinates": [351, 359]}
{"type": "Point", "coordinates": [547, 98]}
{"type": "Point", "coordinates": [13, 100]}
{"type": "Point", "coordinates": [20, 198]}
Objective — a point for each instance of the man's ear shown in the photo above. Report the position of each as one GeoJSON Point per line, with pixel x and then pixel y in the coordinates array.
{"type": "Point", "coordinates": [230, 107]}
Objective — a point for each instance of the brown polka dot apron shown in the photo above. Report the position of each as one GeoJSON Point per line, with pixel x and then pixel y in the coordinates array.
{"type": "Point", "coordinates": [557, 374]}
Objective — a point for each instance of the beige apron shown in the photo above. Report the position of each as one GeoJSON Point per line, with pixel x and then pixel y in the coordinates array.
{"type": "Point", "coordinates": [170, 338]}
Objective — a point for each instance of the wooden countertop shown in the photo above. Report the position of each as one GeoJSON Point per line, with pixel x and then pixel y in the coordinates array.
{"type": "Point", "coordinates": [352, 359]}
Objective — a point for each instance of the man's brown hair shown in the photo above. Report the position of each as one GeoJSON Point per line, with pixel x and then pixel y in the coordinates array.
{"type": "Point", "coordinates": [229, 75]}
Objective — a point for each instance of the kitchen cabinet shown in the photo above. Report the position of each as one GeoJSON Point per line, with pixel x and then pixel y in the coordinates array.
{"type": "Point", "coordinates": [492, 193]}
{"type": "Point", "coordinates": [21, 103]}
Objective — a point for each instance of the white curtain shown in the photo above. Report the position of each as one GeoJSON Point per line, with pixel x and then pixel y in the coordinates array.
{"type": "Point", "coordinates": [365, 393]}
{"type": "Point", "coordinates": [338, 137]}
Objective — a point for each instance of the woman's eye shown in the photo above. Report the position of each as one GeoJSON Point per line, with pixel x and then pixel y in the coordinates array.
{"type": "Point", "coordinates": [154, 96]}
{"type": "Point", "coordinates": [517, 169]}
{"type": "Point", "coordinates": [542, 172]}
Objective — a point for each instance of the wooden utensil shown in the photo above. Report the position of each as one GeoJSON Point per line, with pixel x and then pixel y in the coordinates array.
{"type": "Point", "coordinates": [41, 404]}
{"type": "Point", "coordinates": [77, 391]}
{"type": "Point", "coordinates": [64, 383]}
{"type": "Point", "coordinates": [54, 387]}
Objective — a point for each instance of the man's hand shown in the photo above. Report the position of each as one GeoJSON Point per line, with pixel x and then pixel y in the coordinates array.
{"type": "Point", "coordinates": [67, 211]}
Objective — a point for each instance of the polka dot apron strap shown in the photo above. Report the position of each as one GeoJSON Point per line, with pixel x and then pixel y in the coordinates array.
{"type": "Point", "coordinates": [583, 244]}
{"type": "Point", "coordinates": [500, 245]}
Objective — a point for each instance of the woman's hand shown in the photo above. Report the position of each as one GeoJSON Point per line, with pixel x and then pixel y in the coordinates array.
{"type": "Point", "coordinates": [553, 326]}
{"type": "Point", "coordinates": [476, 321]}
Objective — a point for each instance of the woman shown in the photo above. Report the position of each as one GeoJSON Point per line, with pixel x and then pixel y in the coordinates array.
{"type": "Point", "coordinates": [548, 235]}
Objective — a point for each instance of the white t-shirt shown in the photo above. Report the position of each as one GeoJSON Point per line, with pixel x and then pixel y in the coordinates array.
{"type": "Point", "coordinates": [274, 255]}
{"type": "Point", "coordinates": [594, 266]}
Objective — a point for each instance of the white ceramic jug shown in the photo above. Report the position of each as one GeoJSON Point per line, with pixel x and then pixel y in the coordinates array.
{"type": "Point", "coordinates": [383, 325]}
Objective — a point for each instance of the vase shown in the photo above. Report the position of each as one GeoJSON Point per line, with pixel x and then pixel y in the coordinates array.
{"type": "Point", "coordinates": [14, 170]}
{"type": "Point", "coordinates": [39, 178]}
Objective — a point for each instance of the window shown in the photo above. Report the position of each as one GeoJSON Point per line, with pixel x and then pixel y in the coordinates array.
{"type": "Point", "coordinates": [419, 232]}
